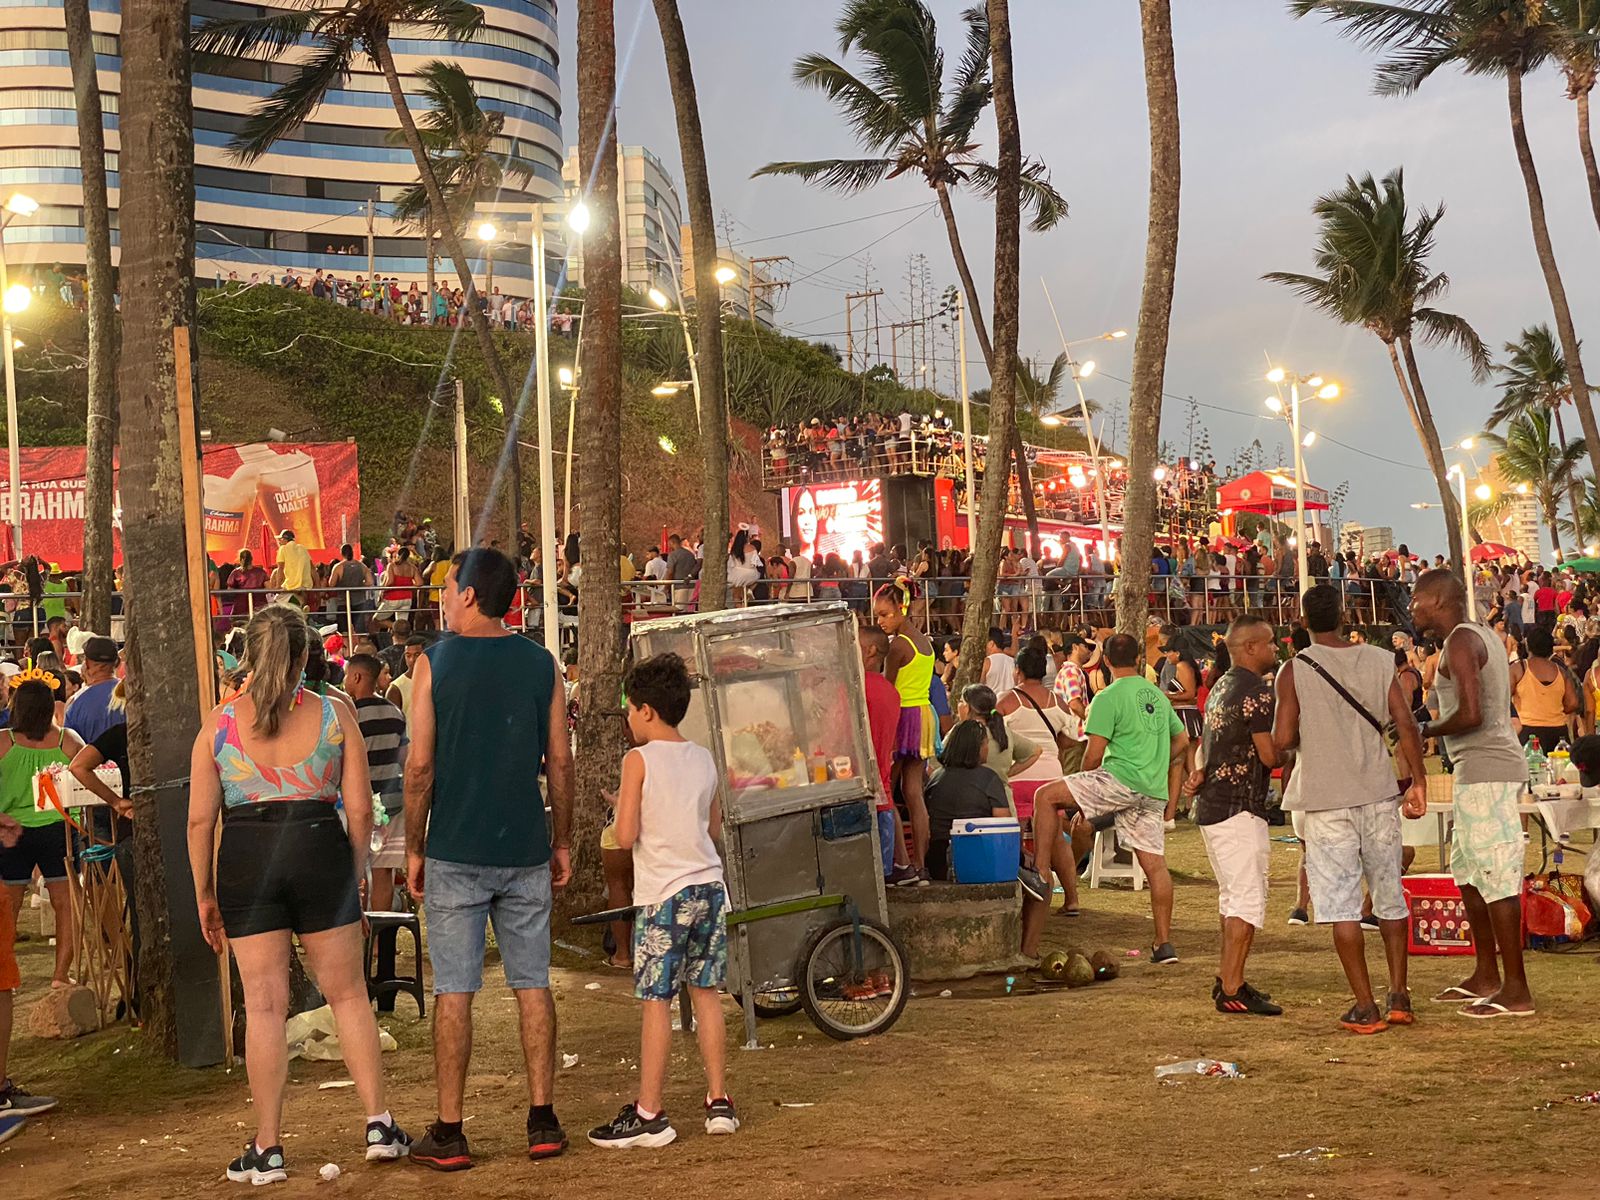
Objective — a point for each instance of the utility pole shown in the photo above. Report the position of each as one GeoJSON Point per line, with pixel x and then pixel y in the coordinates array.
{"type": "Point", "coordinates": [753, 286]}
{"type": "Point", "coordinates": [849, 328]}
{"type": "Point", "coordinates": [372, 257]}
{"type": "Point", "coordinates": [463, 507]}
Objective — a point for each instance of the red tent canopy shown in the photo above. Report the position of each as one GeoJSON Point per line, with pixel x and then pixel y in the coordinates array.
{"type": "Point", "coordinates": [1270, 492]}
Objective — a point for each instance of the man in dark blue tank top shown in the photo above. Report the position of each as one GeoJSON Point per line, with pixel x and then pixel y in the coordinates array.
{"type": "Point", "coordinates": [487, 711]}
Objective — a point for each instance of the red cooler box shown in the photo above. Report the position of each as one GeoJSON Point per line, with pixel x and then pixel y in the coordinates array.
{"type": "Point", "coordinates": [1438, 922]}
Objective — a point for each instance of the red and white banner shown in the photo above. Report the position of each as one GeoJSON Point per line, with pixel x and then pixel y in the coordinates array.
{"type": "Point", "coordinates": [251, 494]}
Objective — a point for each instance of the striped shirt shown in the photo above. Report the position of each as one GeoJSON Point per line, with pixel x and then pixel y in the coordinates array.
{"type": "Point", "coordinates": [383, 729]}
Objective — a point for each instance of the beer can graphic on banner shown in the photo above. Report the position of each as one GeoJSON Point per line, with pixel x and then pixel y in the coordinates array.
{"type": "Point", "coordinates": [291, 497]}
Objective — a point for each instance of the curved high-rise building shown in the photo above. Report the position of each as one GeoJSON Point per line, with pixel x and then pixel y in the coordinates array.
{"type": "Point", "coordinates": [320, 198]}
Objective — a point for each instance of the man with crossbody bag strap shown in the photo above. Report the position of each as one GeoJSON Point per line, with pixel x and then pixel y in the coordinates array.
{"type": "Point", "coordinates": [1344, 790]}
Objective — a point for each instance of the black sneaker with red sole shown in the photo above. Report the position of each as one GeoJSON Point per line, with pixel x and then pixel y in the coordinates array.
{"type": "Point", "coordinates": [546, 1138]}
{"type": "Point", "coordinates": [441, 1151]}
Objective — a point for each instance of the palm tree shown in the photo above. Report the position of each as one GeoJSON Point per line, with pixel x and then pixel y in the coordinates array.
{"type": "Point", "coordinates": [1577, 27]}
{"type": "Point", "coordinates": [602, 733]}
{"type": "Point", "coordinates": [708, 302]}
{"type": "Point", "coordinates": [336, 32]}
{"type": "Point", "coordinates": [101, 417]}
{"type": "Point", "coordinates": [461, 142]}
{"type": "Point", "coordinates": [1534, 378]}
{"type": "Point", "coordinates": [1585, 530]}
{"type": "Point", "coordinates": [1506, 38]}
{"type": "Point", "coordinates": [1525, 454]}
{"type": "Point", "coordinates": [1155, 317]}
{"type": "Point", "coordinates": [164, 702]}
{"type": "Point", "coordinates": [1038, 394]}
{"type": "Point", "coordinates": [1008, 202]}
{"type": "Point", "coordinates": [1372, 271]}
{"type": "Point", "coordinates": [907, 120]}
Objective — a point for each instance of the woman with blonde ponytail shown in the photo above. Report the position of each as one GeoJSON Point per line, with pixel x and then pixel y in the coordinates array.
{"type": "Point", "coordinates": [272, 763]}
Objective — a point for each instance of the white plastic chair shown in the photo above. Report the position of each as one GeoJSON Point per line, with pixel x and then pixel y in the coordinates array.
{"type": "Point", "coordinates": [1103, 863]}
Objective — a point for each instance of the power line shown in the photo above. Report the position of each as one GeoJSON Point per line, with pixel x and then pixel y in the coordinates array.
{"type": "Point", "coordinates": [772, 237]}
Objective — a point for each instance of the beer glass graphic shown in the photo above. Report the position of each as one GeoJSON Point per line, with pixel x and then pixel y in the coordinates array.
{"type": "Point", "coordinates": [227, 504]}
{"type": "Point", "coordinates": [291, 497]}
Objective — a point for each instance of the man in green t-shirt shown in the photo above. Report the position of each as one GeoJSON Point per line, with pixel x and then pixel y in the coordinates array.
{"type": "Point", "coordinates": [1132, 769]}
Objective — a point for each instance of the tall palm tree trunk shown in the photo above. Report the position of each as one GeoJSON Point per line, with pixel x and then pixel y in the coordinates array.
{"type": "Point", "coordinates": [1580, 95]}
{"type": "Point", "coordinates": [177, 971]}
{"type": "Point", "coordinates": [1565, 329]}
{"type": "Point", "coordinates": [1019, 454]}
{"type": "Point", "coordinates": [1428, 434]}
{"type": "Point", "coordinates": [101, 419]}
{"type": "Point", "coordinates": [427, 242]}
{"type": "Point", "coordinates": [602, 735]}
{"type": "Point", "coordinates": [451, 236]}
{"type": "Point", "coordinates": [1574, 484]}
{"type": "Point", "coordinates": [1555, 530]}
{"type": "Point", "coordinates": [1003, 366]}
{"type": "Point", "coordinates": [708, 304]}
{"type": "Point", "coordinates": [1155, 316]}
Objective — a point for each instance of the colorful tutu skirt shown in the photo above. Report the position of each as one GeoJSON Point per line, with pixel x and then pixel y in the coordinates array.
{"type": "Point", "coordinates": [917, 733]}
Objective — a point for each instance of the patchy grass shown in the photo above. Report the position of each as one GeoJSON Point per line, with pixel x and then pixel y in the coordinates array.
{"type": "Point", "coordinates": [972, 1096]}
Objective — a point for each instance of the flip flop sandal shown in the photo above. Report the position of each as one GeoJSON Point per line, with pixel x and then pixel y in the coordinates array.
{"type": "Point", "coordinates": [1458, 995]}
{"type": "Point", "coordinates": [1492, 1010]}
{"type": "Point", "coordinates": [1069, 912]}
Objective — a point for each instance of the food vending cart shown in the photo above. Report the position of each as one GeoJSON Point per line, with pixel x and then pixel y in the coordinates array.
{"type": "Point", "coordinates": [778, 701]}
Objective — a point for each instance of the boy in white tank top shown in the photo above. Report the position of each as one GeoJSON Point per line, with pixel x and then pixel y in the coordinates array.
{"type": "Point", "coordinates": [667, 814]}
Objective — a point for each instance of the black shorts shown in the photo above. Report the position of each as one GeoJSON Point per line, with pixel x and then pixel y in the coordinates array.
{"type": "Point", "coordinates": [285, 865]}
{"type": "Point", "coordinates": [42, 846]}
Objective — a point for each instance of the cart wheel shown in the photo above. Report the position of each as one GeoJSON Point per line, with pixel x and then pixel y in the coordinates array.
{"type": "Point", "coordinates": [853, 985]}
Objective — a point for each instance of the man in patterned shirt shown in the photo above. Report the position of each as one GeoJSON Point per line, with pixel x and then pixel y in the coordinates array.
{"type": "Point", "coordinates": [1230, 789]}
{"type": "Point", "coordinates": [1071, 687]}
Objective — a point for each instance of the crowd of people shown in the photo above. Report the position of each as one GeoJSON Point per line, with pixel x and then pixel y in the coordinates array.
{"type": "Point", "coordinates": [405, 303]}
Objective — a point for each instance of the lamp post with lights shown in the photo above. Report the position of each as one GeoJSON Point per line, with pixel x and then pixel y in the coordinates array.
{"type": "Point", "coordinates": [1080, 372]}
{"type": "Point", "coordinates": [13, 300]}
{"type": "Point", "coordinates": [1322, 391]}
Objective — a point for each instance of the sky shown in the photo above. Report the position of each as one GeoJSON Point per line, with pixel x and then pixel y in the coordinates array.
{"type": "Point", "coordinates": [1273, 111]}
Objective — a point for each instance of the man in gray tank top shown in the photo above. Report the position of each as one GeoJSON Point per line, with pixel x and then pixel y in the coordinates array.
{"type": "Point", "coordinates": [1486, 857]}
{"type": "Point", "coordinates": [1331, 699]}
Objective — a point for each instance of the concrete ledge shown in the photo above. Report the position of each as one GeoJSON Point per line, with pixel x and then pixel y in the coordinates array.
{"type": "Point", "coordinates": [956, 931]}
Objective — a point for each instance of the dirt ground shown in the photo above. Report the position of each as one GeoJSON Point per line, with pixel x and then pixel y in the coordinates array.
{"type": "Point", "coordinates": [976, 1095]}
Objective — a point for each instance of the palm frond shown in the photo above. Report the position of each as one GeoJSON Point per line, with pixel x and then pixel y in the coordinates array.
{"type": "Point", "coordinates": [841, 174]}
{"type": "Point", "coordinates": [457, 20]}
{"type": "Point", "coordinates": [281, 113]}
{"type": "Point", "coordinates": [972, 90]}
{"type": "Point", "coordinates": [878, 125]}
{"type": "Point", "coordinates": [252, 37]}
{"type": "Point", "coordinates": [1447, 329]}
{"type": "Point", "coordinates": [1046, 206]}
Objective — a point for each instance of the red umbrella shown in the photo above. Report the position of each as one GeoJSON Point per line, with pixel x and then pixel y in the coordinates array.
{"type": "Point", "coordinates": [1492, 550]}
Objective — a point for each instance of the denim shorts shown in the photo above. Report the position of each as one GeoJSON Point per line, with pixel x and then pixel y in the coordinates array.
{"type": "Point", "coordinates": [461, 899]}
{"type": "Point", "coordinates": [1345, 846]}
{"type": "Point", "coordinates": [681, 942]}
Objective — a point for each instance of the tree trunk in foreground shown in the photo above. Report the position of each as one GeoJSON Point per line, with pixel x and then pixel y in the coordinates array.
{"type": "Point", "coordinates": [101, 418]}
{"type": "Point", "coordinates": [1003, 367]}
{"type": "Point", "coordinates": [602, 734]}
{"type": "Point", "coordinates": [707, 303]}
{"type": "Point", "coordinates": [177, 972]}
{"type": "Point", "coordinates": [1565, 329]}
{"type": "Point", "coordinates": [1155, 316]}
{"type": "Point", "coordinates": [1580, 94]}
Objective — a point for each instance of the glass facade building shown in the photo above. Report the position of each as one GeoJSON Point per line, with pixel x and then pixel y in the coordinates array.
{"type": "Point", "coordinates": [320, 198]}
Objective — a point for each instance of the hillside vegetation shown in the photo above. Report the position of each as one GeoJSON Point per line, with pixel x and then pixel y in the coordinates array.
{"type": "Point", "coordinates": [272, 359]}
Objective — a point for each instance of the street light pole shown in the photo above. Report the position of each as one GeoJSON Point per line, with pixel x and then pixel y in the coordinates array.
{"type": "Point", "coordinates": [10, 304]}
{"type": "Point", "coordinates": [1301, 552]}
{"type": "Point", "coordinates": [1088, 426]}
{"type": "Point", "coordinates": [547, 469]}
{"type": "Point", "coordinates": [1460, 473]}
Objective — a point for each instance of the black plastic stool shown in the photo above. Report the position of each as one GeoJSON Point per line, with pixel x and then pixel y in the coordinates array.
{"type": "Point", "coordinates": [383, 981]}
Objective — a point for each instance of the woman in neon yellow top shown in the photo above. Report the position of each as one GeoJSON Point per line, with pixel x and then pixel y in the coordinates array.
{"type": "Point", "coordinates": [909, 666]}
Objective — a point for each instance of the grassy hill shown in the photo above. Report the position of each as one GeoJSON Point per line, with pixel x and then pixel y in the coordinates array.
{"type": "Point", "coordinates": [273, 359]}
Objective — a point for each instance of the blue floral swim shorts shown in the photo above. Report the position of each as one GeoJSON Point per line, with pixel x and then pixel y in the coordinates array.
{"type": "Point", "coordinates": [683, 941]}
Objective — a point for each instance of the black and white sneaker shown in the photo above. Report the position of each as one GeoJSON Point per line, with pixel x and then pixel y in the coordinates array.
{"type": "Point", "coordinates": [1369, 924]}
{"type": "Point", "coordinates": [386, 1141]}
{"type": "Point", "coordinates": [1164, 955]}
{"type": "Point", "coordinates": [258, 1166]}
{"type": "Point", "coordinates": [1033, 884]}
{"type": "Point", "coordinates": [720, 1117]}
{"type": "Point", "coordinates": [1299, 916]}
{"type": "Point", "coordinates": [14, 1100]}
{"type": "Point", "coordinates": [628, 1129]}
